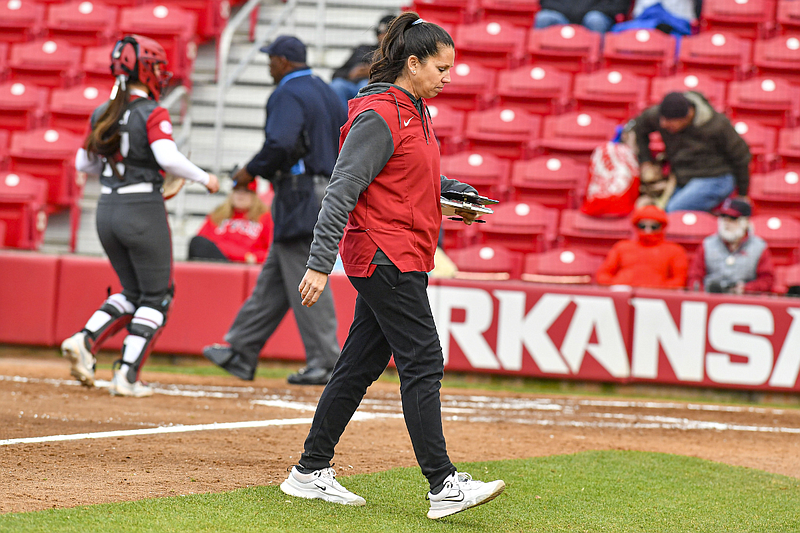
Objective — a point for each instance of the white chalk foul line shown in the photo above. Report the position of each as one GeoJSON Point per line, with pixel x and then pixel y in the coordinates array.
{"type": "Point", "coordinates": [178, 429]}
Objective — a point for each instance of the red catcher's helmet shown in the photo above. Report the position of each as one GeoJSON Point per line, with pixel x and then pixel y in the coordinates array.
{"type": "Point", "coordinates": [135, 57]}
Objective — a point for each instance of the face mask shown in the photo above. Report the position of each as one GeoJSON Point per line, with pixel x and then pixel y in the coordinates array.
{"type": "Point", "coordinates": [732, 231]}
{"type": "Point", "coordinates": [650, 238]}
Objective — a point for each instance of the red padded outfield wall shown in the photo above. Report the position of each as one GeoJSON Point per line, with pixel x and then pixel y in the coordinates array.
{"type": "Point", "coordinates": [512, 328]}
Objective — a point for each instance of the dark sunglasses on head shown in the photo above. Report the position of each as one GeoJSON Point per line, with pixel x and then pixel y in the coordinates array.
{"type": "Point", "coordinates": [645, 226]}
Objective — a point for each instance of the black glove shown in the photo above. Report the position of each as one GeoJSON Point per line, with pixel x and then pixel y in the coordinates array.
{"type": "Point", "coordinates": [720, 285]}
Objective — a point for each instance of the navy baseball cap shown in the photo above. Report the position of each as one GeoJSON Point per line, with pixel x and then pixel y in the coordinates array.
{"type": "Point", "coordinates": [735, 208]}
{"type": "Point", "coordinates": [287, 46]}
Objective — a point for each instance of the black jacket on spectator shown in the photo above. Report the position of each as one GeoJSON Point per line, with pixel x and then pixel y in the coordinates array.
{"type": "Point", "coordinates": [361, 54]}
{"type": "Point", "coordinates": [575, 10]}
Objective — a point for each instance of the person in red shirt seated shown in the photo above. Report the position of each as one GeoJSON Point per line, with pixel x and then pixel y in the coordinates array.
{"type": "Point", "coordinates": [238, 230]}
{"type": "Point", "coordinates": [733, 260]}
{"type": "Point", "coordinates": [648, 261]}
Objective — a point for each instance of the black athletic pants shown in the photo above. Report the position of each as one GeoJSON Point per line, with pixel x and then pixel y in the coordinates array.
{"type": "Point", "coordinates": [392, 316]}
{"type": "Point", "coordinates": [135, 235]}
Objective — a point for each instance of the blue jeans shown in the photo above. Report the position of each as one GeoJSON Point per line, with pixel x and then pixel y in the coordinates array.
{"type": "Point", "coordinates": [701, 194]}
{"type": "Point", "coordinates": [594, 20]}
{"type": "Point", "coordinates": [346, 89]}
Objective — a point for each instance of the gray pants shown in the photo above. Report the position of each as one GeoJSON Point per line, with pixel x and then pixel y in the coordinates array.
{"type": "Point", "coordinates": [274, 294]}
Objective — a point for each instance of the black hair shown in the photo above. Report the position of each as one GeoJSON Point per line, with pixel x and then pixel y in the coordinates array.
{"type": "Point", "coordinates": [408, 35]}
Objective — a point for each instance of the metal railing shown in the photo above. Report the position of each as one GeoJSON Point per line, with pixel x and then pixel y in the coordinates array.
{"type": "Point", "coordinates": [225, 80]}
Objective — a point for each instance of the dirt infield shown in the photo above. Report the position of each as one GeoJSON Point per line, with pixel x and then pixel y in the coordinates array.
{"type": "Point", "coordinates": [169, 449]}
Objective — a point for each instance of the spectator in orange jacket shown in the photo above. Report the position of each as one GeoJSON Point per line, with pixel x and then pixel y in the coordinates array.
{"type": "Point", "coordinates": [238, 230]}
{"type": "Point", "coordinates": [648, 261]}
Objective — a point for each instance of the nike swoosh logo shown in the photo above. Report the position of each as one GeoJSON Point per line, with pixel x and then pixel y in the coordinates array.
{"type": "Point", "coordinates": [407, 121]}
{"type": "Point", "coordinates": [458, 498]}
{"type": "Point", "coordinates": [323, 488]}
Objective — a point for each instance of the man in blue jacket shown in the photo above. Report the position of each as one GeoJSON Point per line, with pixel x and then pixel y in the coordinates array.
{"type": "Point", "coordinates": [300, 148]}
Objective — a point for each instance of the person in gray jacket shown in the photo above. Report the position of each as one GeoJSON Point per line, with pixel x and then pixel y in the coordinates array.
{"type": "Point", "coordinates": [707, 156]}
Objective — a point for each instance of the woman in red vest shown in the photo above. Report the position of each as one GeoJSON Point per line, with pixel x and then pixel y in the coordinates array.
{"type": "Point", "coordinates": [382, 203]}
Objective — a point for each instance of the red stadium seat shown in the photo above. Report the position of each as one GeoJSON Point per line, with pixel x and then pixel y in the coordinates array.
{"type": "Point", "coordinates": [518, 12]}
{"type": "Point", "coordinates": [750, 19]}
{"type": "Point", "coordinates": [49, 154]}
{"type": "Point", "coordinates": [452, 11]}
{"type": "Point", "coordinates": [22, 210]}
{"type": "Point", "coordinates": [486, 172]}
{"type": "Point", "coordinates": [487, 262]}
{"type": "Point", "coordinates": [22, 106]}
{"type": "Point", "coordinates": [5, 139]}
{"type": "Point", "coordinates": [70, 109]}
{"type": "Point", "coordinates": [561, 266]}
{"type": "Point", "coordinates": [471, 87]}
{"type": "Point", "coordinates": [3, 60]}
{"type": "Point", "coordinates": [591, 234]}
{"type": "Point", "coordinates": [490, 43]}
{"type": "Point", "coordinates": [721, 55]}
{"type": "Point", "coordinates": [617, 94]}
{"type": "Point", "coordinates": [2, 234]}
{"type": "Point", "coordinates": [553, 181]}
{"type": "Point", "coordinates": [575, 134]}
{"type": "Point", "coordinates": [83, 23]}
{"type": "Point", "coordinates": [536, 89]}
{"type": "Point", "coordinates": [448, 126]}
{"type": "Point", "coordinates": [520, 226]}
{"type": "Point", "coordinates": [785, 277]}
{"type": "Point", "coordinates": [789, 145]}
{"type": "Point", "coordinates": [503, 131]}
{"type": "Point", "coordinates": [174, 29]}
{"type": "Point", "coordinates": [712, 89]}
{"type": "Point", "coordinates": [776, 192]}
{"type": "Point", "coordinates": [96, 66]}
{"type": "Point", "coordinates": [770, 101]}
{"type": "Point", "coordinates": [788, 17]}
{"type": "Point", "coordinates": [45, 62]}
{"type": "Point", "coordinates": [779, 56]}
{"type": "Point", "coordinates": [21, 20]}
{"type": "Point", "coordinates": [457, 234]}
{"type": "Point", "coordinates": [782, 234]}
{"type": "Point", "coordinates": [689, 228]}
{"type": "Point", "coordinates": [572, 48]}
{"type": "Point", "coordinates": [212, 15]}
{"type": "Point", "coordinates": [762, 143]}
{"type": "Point", "coordinates": [644, 52]}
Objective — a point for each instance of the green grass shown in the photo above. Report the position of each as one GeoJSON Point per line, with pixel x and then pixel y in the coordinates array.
{"type": "Point", "coordinates": [609, 491]}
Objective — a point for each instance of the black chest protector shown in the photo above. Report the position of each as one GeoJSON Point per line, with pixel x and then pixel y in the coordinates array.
{"type": "Point", "coordinates": [137, 163]}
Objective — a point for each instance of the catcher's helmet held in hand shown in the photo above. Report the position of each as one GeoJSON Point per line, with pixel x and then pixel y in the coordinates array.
{"type": "Point", "coordinates": [136, 57]}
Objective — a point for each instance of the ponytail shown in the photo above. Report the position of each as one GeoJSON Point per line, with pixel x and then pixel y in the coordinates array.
{"type": "Point", "coordinates": [104, 139]}
{"type": "Point", "coordinates": [408, 35]}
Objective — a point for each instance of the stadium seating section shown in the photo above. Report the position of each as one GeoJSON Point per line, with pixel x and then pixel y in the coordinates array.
{"type": "Point", "coordinates": [519, 120]}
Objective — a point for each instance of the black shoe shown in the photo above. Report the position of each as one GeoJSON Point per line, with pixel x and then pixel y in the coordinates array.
{"type": "Point", "coordinates": [310, 376]}
{"type": "Point", "coordinates": [226, 358]}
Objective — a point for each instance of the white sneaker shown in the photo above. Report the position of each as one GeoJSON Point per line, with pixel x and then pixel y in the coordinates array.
{"type": "Point", "coordinates": [461, 492]}
{"type": "Point", "coordinates": [83, 362]}
{"type": "Point", "coordinates": [120, 386]}
{"type": "Point", "coordinates": [320, 484]}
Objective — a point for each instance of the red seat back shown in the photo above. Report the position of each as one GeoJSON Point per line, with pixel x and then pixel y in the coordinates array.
{"type": "Point", "coordinates": [553, 181]}
{"type": "Point", "coordinates": [448, 125]}
{"type": "Point", "coordinates": [517, 12]}
{"type": "Point", "coordinates": [689, 228]}
{"type": "Point", "coordinates": [762, 142]}
{"type": "Point", "coordinates": [782, 234]}
{"type": "Point", "coordinates": [490, 43]}
{"type": "Point", "coordinates": [644, 52]}
{"type": "Point", "coordinates": [71, 108]}
{"type": "Point", "coordinates": [49, 154]}
{"type": "Point", "coordinates": [771, 101]}
{"type": "Point", "coordinates": [572, 48]}
{"type": "Point", "coordinates": [537, 89]}
{"type": "Point", "coordinates": [83, 23]}
{"type": "Point", "coordinates": [22, 210]}
{"type": "Point", "coordinates": [750, 19]}
{"type": "Point", "coordinates": [713, 89]}
{"type": "Point", "coordinates": [789, 145]}
{"type": "Point", "coordinates": [503, 131]}
{"type": "Point", "coordinates": [576, 134]}
{"type": "Point", "coordinates": [592, 234]}
{"type": "Point", "coordinates": [483, 170]}
{"type": "Point", "coordinates": [776, 192]}
{"type": "Point", "coordinates": [721, 55]}
{"type": "Point", "coordinates": [21, 20]}
{"type": "Point", "coordinates": [573, 266]}
{"type": "Point", "coordinates": [471, 86]}
{"type": "Point", "coordinates": [487, 262]}
{"type": "Point", "coordinates": [45, 62]}
{"type": "Point", "coordinates": [778, 56]}
{"type": "Point", "coordinates": [618, 94]}
{"type": "Point", "coordinates": [22, 106]}
{"type": "Point", "coordinates": [521, 226]}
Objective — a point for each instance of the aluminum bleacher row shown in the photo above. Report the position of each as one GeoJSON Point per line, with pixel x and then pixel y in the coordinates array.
{"type": "Point", "coordinates": [526, 107]}
{"type": "Point", "coordinates": [522, 114]}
